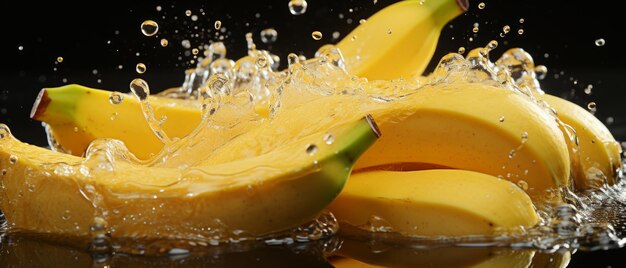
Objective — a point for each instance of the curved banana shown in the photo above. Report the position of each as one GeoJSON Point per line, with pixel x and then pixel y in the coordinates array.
{"type": "Point", "coordinates": [434, 202]}
{"type": "Point", "coordinates": [600, 153]}
{"type": "Point", "coordinates": [50, 192]}
{"type": "Point", "coordinates": [405, 32]}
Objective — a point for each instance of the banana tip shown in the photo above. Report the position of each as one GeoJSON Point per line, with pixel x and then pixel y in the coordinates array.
{"type": "Point", "coordinates": [41, 103]}
{"type": "Point", "coordinates": [463, 4]}
{"type": "Point", "coordinates": [373, 125]}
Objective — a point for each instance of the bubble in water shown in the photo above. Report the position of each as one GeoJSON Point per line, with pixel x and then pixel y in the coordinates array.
{"type": "Point", "coordinates": [140, 68]}
{"type": "Point", "coordinates": [311, 149]}
{"type": "Point", "coordinates": [481, 5]}
{"type": "Point", "coordinates": [588, 89]}
{"type": "Point", "coordinates": [461, 50]}
{"type": "Point", "coordinates": [297, 7]}
{"type": "Point", "coordinates": [600, 42]}
{"type": "Point", "coordinates": [520, 31]}
{"type": "Point", "coordinates": [523, 185]}
{"type": "Point", "coordinates": [217, 25]}
{"type": "Point", "coordinates": [13, 159]}
{"type": "Point", "coordinates": [59, 59]}
{"type": "Point", "coordinates": [116, 98]}
{"type": "Point", "coordinates": [269, 36]}
{"type": "Point", "coordinates": [317, 35]}
{"type": "Point", "coordinates": [185, 43]}
{"type": "Point", "coordinates": [140, 89]}
{"type": "Point", "coordinates": [329, 138]}
{"type": "Point", "coordinates": [187, 13]}
{"type": "Point", "coordinates": [149, 28]}
{"type": "Point", "coordinates": [506, 29]}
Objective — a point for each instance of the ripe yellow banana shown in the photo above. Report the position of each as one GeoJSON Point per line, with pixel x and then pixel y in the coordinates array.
{"type": "Point", "coordinates": [399, 40]}
{"type": "Point", "coordinates": [434, 202]}
{"type": "Point", "coordinates": [600, 153]}
{"type": "Point", "coordinates": [50, 192]}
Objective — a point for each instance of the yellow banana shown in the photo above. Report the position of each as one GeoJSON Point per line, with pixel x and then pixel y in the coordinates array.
{"type": "Point", "coordinates": [434, 202]}
{"type": "Point", "coordinates": [50, 192]}
{"type": "Point", "coordinates": [399, 40]}
{"type": "Point", "coordinates": [600, 153]}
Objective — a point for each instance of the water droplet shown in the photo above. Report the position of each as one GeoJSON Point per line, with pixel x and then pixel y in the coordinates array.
{"type": "Point", "coordinates": [116, 98]}
{"type": "Point", "coordinates": [261, 62]}
{"type": "Point", "coordinates": [353, 38]}
{"type": "Point", "coordinates": [493, 44]}
{"type": "Point", "coordinates": [481, 5]}
{"type": "Point", "coordinates": [600, 42]}
{"type": "Point", "coordinates": [185, 43]}
{"type": "Point", "coordinates": [523, 185]}
{"type": "Point", "coordinates": [13, 159]}
{"type": "Point", "coordinates": [461, 50]}
{"type": "Point", "coordinates": [4, 131]}
{"type": "Point", "coordinates": [194, 17]}
{"type": "Point", "coordinates": [329, 138]}
{"type": "Point", "coordinates": [149, 28]}
{"type": "Point", "coordinates": [610, 120]}
{"type": "Point", "coordinates": [140, 68]}
{"type": "Point", "coordinates": [521, 20]}
{"type": "Point", "coordinates": [520, 31]}
{"type": "Point", "coordinates": [588, 89]}
{"type": "Point", "coordinates": [592, 106]}
{"type": "Point", "coordinates": [164, 42]}
{"type": "Point", "coordinates": [362, 21]}
{"type": "Point", "coordinates": [217, 25]}
{"type": "Point", "coordinates": [475, 29]}
{"type": "Point", "coordinates": [506, 29]}
{"type": "Point", "coordinates": [269, 36]}
{"type": "Point", "coordinates": [524, 137]}
{"type": "Point", "coordinates": [140, 89]}
{"type": "Point", "coordinates": [20, 48]}
{"type": "Point", "coordinates": [541, 71]}
{"type": "Point", "coordinates": [512, 153]}
{"type": "Point", "coordinates": [3, 172]}
{"type": "Point", "coordinates": [311, 149]}
{"type": "Point", "coordinates": [188, 13]}
{"type": "Point", "coordinates": [389, 31]}
{"type": "Point", "coordinates": [195, 51]}
{"type": "Point", "coordinates": [159, 8]}
{"type": "Point", "coordinates": [317, 35]}
{"type": "Point", "coordinates": [114, 116]}
{"type": "Point", "coordinates": [59, 59]}
{"type": "Point", "coordinates": [336, 35]}
{"type": "Point", "coordinates": [297, 7]}
{"type": "Point", "coordinates": [66, 215]}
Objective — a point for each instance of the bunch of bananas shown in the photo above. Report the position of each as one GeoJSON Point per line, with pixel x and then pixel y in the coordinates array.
{"type": "Point", "coordinates": [456, 159]}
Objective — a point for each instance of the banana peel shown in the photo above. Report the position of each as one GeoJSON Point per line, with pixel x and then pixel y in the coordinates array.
{"type": "Point", "coordinates": [43, 191]}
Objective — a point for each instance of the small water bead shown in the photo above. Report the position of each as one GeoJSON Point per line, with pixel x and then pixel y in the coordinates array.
{"type": "Point", "coordinates": [588, 89]}
{"type": "Point", "coordinates": [269, 36]}
{"type": "Point", "coordinates": [194, 17]}
{"type": "Point", "coordinates": [140, 68]}
{"type": "Point", "coordinates": [493, 44]}
{"type": "Point", "coordinates": [521, 20]}
{"type": "Point", "coordinates": [523, 185]}
{"type": "Point", "coordinates": [336, 35]}
{"type": "Point", "coordinates": [461, 50]}
{"type": "Point", "coordinates": [481, 5]}
{"type": "Point", "coordinates": [362, 21]}
{"type": "Point", "coordinates": [600, 42]}
{"type": "Point", "coordinates": [354, 37]}
{"type": "Point", "coordinates": [506, 29]}
{"type": "Point", "coordinates": [311, 149]}
{"type": "Point", "coordinates": [116, 98]}
{"type": "Point", "coordinates": [475, 29]}
{"type": "Point", "coordinates": [195, 51]}
{"type": "Point", "coordinates": [520, 31]}
{"type": "Point", "coordinates": [541, 71]}
{"type": "Point", "coordinates": [4, 131]}
{"type": "Point", "coordinates": [114, 116]}
{"type": "Point", "coordinates": [20, 48]}
{"type": "Point", "coordinates": [59, 59]}
{"type": "Point", "coordinates": [159, 8]}
{"type": "Point", "coordinates": [610, 120]}
{"type": "Point", "coordinates": [524, 137]}
{"type": "Point", "coordinates": [66, 215]}
{"type": "Point", "coordinates": [512, 153]}
{"type": "Point", "coordinates": [185, 43]}
{"type": "Point", "coordinates": [13, 159]}
{"type": "Point", "coordinates": [164, 42]}
{"type": "Point", "coordinates": [217, 25]}
{"type": "Point", "coordinates": [149, 28]}
{"type": "Point", "coordinates": [389, 31]}
{"type": "Point", "coordinates": [187, 13]}
{"type": "Point", "coordinates": [317, 35]}
{"type": "Point", "coordinates": [140, 89]}
{"type": "Point", "coordinates": [261, 62]}
{"type": "Point", "coordinates": [329, 138]}
{"type": "Point", "coordinates": [297, 7]}
{"type": "Point", "coordinates": [591, 106]}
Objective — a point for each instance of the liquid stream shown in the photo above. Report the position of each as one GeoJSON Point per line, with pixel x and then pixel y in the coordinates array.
{"type": "Point", "coordinates": [254, 89]}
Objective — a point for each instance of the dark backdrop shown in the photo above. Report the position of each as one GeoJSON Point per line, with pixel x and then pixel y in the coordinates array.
{"type": "Point", "coordinates": [95, 37]}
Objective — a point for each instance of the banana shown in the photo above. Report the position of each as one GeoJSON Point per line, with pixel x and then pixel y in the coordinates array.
{"type": "Point", "coordinates": [42, 191]}
{"type": "Point", "coordinates": [600, 153]}
{"type": "Point", "coordinates": [435, 202]}
{"type": "Point", "coordinates": [399, 40]}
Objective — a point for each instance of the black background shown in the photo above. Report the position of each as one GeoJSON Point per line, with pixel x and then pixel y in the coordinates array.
{"type": "Point", "coordinates": [100, 35]}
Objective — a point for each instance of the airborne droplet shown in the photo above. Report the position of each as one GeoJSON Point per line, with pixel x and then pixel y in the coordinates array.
{"type": "Point", "coordinates": [217, 25]}
{"type": "Point", "coordinates": [140, 88]}
{"type": "Point", "coordinates": [269, 36]}
{"type": "Point", "coordinates": [297, 7]}
{"type": "Point", "coordinates": [600, 42]}
{"type": "Point", "coordinates": [140, 68]}
{"type": "Point", "coordinates": [59, 59]}
{"type": "Point", "coordinates": [481, 5]}
{"type": "Point", "coordinates": [149, 28]}
{"type": "Point", "coordinates": [164, 42]}
{"type": "Point", "coordinates": [317, 35]}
